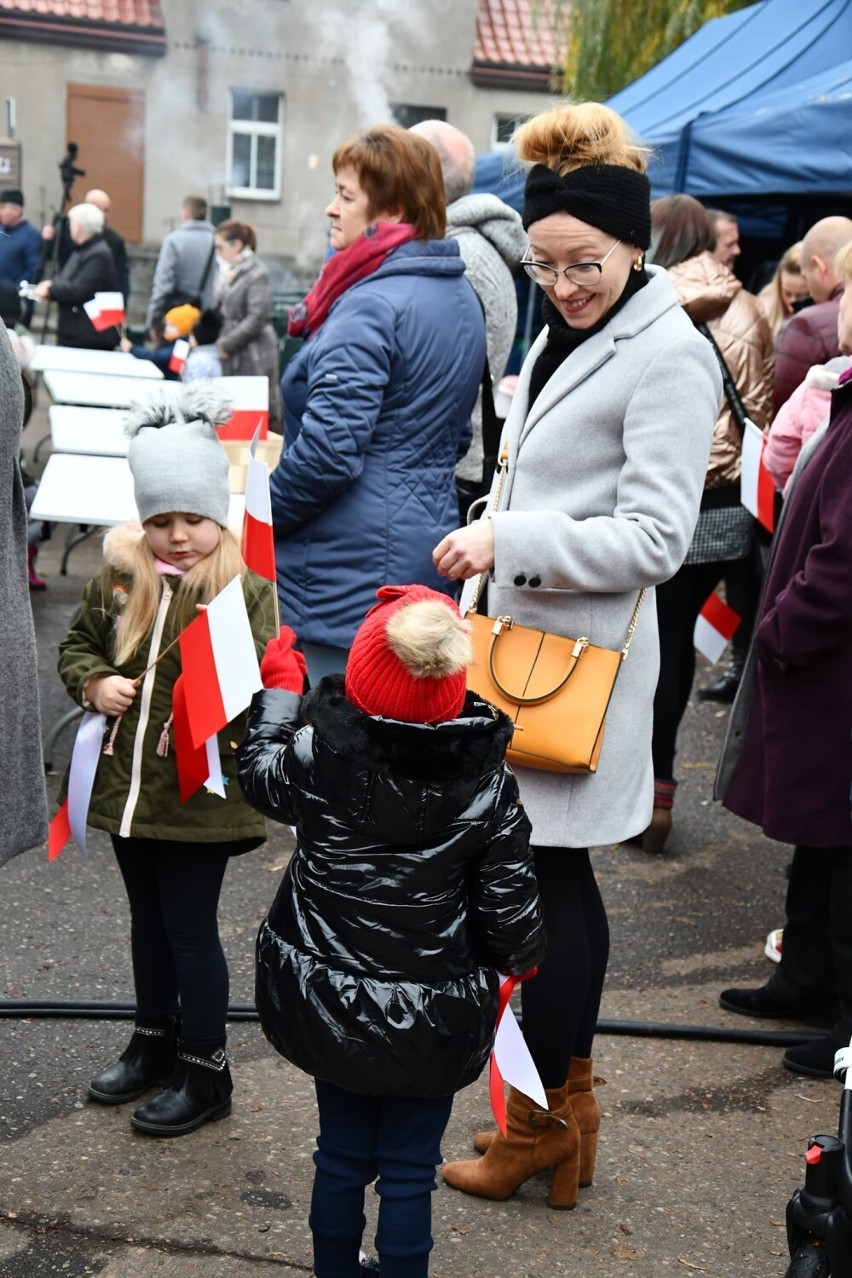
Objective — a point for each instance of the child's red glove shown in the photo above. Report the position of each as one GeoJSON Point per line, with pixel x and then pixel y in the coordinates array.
{"type": "Point", "coordinates": [282, 666]}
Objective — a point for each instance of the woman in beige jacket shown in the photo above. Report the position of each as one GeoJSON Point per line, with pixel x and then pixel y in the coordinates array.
{"type": "Point", "coordinates": [712, 296]}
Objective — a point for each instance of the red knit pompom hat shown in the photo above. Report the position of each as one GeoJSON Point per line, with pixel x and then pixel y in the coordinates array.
{"type": "Point", "coordinates": [409, 658]}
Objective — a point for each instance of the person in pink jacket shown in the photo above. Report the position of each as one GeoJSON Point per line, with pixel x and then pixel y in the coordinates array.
{"type": "Point", "coordinates": [798, 418]}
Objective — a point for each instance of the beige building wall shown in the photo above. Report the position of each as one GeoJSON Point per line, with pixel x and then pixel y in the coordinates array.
{"type": "Point", "coordinates": [340, 65]}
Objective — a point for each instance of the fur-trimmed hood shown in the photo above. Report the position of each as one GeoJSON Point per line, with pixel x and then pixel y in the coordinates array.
{"type": "Point", "coordinates": [825, 377]}
{"type": "Point", "coordinates": [121, 547]}
{"type": "Point", "coordinates": [457, 750]}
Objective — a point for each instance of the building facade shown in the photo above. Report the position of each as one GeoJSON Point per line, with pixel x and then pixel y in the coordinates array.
{"type": "Point", "coordinates": [244, 101]}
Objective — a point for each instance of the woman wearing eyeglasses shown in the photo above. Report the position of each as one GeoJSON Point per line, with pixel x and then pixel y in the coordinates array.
{"type": "Point", "coordinates": [608, 438]}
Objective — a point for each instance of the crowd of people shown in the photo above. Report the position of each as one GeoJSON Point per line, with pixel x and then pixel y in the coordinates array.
{"type": "Point", "coordinates": [424, 865]}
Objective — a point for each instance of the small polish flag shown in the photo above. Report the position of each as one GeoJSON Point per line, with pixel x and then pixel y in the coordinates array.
{"type": "Point", "coordinates": [258, 541]}
{"type": "Point", "coordinates": [757, 487]}
{"type": "Point", "coordinates": [193, 765]}
{"type": "Point", "coordinates": [715, 627]}
{"type": "Point", "coordinates": [511, 1061]}
{"type": "Point", "coordinates": [105, 310]}
{"type": "Point", "coordinates": [177, 359]}
{"type": "Point", "coordinates": [220, 667]}
{"type": "Point", "coordinates": [249, 397]}
{"type": "Point", "coordinates": [70, 820]}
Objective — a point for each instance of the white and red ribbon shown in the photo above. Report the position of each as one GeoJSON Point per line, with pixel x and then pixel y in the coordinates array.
{"type": "Point", "coordinates": [70, 820]}
{"type": "Point", "coordinates": [510, 1059]}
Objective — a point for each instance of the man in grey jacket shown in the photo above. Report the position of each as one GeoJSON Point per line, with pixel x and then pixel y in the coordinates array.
{"type": "Point", "coordinates": [491, 241]}
{"type": "Point", "coordinates": [186, 269]}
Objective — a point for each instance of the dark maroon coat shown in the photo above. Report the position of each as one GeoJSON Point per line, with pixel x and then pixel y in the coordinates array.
{"type": "Point", "coordinates": [810, 338]}
{"type": "Point", "coordinates": [794, 772]}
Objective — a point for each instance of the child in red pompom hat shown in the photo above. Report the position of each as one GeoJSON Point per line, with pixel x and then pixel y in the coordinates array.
{"type": "Point", "coordinates": [410, 888]}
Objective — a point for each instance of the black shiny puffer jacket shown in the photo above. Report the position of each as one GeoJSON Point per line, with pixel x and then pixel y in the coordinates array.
{"type": "Point", "coordinates": [412, 881]}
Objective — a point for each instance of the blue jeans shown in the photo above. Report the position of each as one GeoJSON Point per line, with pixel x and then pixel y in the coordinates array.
{"type": "Point", "coordinates": [397, 1143]}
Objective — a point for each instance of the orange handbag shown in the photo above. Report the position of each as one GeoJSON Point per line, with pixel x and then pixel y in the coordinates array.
{"type": "Point", "coordinates": [555, 690]}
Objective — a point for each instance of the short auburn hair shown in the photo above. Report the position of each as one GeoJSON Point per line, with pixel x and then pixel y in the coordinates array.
{"type": "Point", "coordinates": [399, 172]}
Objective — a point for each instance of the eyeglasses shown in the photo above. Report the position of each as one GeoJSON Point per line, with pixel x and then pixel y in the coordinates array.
{"type": "Point", "coordinates": [582, 273]}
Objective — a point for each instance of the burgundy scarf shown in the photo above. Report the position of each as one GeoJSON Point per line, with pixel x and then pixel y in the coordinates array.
{"type": "Point", "coordinates": [347, 267]}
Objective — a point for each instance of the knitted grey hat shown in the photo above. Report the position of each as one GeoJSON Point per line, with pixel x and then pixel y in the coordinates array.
{"type": "Point", "coordinates": [177, 461]}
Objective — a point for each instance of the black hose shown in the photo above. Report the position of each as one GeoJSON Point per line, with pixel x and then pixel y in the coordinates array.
{"type": "Point", "coordinates": [100, 1010]}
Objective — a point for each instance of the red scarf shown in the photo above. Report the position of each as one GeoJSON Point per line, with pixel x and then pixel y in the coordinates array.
{"type": "Point", "coordinates": [347, 267]}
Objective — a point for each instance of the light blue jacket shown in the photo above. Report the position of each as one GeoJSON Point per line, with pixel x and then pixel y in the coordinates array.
{"type": "Point", "coordinates": [377, 410]}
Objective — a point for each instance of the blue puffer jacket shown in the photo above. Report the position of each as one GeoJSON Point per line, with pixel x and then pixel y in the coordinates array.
{"type": "Point", "coordinates": [377, 410]}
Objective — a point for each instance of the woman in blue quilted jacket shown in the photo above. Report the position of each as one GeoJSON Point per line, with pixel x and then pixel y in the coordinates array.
{"type": "Point", "coordinates": [377, 401]}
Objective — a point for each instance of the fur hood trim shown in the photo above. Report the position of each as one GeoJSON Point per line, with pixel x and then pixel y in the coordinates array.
{"type": "Point", "coordinates": [121, 547]}
{"type": "Point", "coordinates": [462, 749]}
{"type": "Point", "coordinates": [826, 376]}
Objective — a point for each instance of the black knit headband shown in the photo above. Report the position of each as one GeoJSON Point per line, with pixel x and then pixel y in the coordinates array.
{"type": "Point", "coordinates": [610, 197]}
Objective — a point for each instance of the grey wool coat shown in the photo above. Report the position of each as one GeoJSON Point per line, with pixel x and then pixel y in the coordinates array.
{"type": "Point", "coordinates": [23, 803]}
{"type": "Point", "coordinates": [247, 335]}
{"type": "Point", "coordinates": [601, 498]}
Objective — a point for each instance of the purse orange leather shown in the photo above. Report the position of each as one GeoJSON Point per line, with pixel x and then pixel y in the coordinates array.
{"type": "Point", "coordinates": [555, 690]}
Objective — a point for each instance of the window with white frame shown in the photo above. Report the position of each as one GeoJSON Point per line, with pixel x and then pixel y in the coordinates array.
{"type": "Point", "coordinates": [255, 134]}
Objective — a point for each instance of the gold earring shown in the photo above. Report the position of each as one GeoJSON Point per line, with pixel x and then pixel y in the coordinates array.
{"type": "Point", "coordinates": [639, 264]}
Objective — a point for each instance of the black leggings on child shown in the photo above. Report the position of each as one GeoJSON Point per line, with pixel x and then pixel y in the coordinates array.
{"type": "Point", "coordinates": [178, 961]}
{"type": "Point", "coordinates": [560, 1005]}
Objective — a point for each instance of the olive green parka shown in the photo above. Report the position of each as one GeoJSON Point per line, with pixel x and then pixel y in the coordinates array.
{"type": "Point", "coordinates": [136, 792]}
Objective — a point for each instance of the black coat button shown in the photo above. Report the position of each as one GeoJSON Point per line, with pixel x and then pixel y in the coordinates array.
{"type": "Point", "coordinates": [535, 581]}
{"type": "Point", "coordinates": [520, 580]}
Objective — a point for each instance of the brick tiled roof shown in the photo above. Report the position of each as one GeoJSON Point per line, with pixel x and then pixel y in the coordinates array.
{"type": "Point", "coordinates": [518, 43]}
{"type": "Point", "coordinates": [133, 26]}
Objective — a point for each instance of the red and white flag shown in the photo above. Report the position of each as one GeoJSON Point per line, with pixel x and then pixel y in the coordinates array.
{"type": "Point", "coordinates": [70, 820]}
{"type": "Point", "coordinates": [177, 359]}
{"type": "Point", "coordinates": [249, 397]}
{"type": "Point", "coordinates": [715, 627]}
{"type": "Point", "coordinates": [220, 667]}
{"type": "Point", "coordinates": [105, 310]}
{"type": "Point", "coordinates": [757, 487]}
{"type": "Point", "coordinates": [511, 1061]}
{"type": "Point", "coordinates": [258, 541]}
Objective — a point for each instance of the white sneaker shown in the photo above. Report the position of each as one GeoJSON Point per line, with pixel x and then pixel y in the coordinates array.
{"type": "Point", "coordinates": [772, 948]}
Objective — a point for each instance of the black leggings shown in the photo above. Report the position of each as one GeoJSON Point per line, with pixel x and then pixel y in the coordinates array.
{"type": "Point", "coordinates": [679, 602]}
{"type": "Point", "coordinates": [178, 961]}
{"type": "Point", "coordinates": [560, 1005]}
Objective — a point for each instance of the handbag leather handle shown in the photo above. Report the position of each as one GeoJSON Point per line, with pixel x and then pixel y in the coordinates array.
{"type": "Point", "coordinates": [580, 647]}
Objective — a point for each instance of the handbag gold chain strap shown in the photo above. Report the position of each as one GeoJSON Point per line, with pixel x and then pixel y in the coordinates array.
{"type": "Point", "coordinates": [501, 476]}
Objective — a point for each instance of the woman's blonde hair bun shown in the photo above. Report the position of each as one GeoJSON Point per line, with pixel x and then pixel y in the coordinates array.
{"type": "Point", "coordinates": [575, 134]}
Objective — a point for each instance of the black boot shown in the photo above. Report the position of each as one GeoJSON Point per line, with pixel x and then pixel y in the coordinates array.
{"type": "Point", "coordinates": [199, 1093]}
{"type": "Point", "coordinates": [725, 687]}
{"type": "Point", "coordinates": [147, 1061]}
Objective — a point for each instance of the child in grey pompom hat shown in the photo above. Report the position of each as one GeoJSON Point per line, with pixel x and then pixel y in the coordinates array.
{"type": "Point", "coordinates": [175, 456]}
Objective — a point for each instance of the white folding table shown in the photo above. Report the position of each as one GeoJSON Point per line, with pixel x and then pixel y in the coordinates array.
{"type": "Point", "coordinates": [99, 432]}
{"type": "Point", "coordinates": [73, 359]}
{"type": "Point", "coordinates": [99, 390]}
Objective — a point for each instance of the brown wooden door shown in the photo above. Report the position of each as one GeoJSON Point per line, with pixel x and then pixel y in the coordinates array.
{"type": "Point", "coordinates": [108, 126]}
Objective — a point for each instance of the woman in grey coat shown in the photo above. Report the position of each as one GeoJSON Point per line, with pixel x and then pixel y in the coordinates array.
{"type": "Point", "coordinates": [23, 803]}
{"type": "Point", "coordinates": [608, 439]}
{"type": "Point", "coordinates": [247, 344]}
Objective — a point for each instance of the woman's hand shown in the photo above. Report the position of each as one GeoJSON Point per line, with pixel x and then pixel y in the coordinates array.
{"type": "Point", "coordinates": [125, 344]}
{"type": "Point", "coordinates": [466, 552]}
{"type": "Point", "coordinates": [109, 694]}
{"type": "Point", "coordinates": [42, 290]}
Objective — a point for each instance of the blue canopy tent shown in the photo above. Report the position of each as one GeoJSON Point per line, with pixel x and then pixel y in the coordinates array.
{"type": "Point", "coordinates": [753, 112]}
{"type": "Point", "coordinates": [755, 104]}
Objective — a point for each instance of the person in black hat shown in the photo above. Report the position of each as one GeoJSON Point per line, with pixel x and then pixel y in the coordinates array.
{"type": "Point", "coordinates": [19, 240]}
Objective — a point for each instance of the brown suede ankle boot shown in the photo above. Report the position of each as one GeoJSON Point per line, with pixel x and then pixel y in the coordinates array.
{"type": "Point", "coordinates": [654, 838]}
{"type": "Point", "coordinates": [537, 1139]}
{"type": "Point", "coordinates": [586, 1110]}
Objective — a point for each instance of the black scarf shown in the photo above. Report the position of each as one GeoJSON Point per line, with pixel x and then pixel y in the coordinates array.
{"type": "Point", "coordinates": [562, 340]}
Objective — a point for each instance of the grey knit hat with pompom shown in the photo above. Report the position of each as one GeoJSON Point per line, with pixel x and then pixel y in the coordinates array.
{"type": "Point", "coordinates": [175, 456]}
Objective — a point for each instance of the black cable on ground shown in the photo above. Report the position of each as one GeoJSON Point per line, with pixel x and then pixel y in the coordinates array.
{"type": "Point", "coordinates": [103, 1010]}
